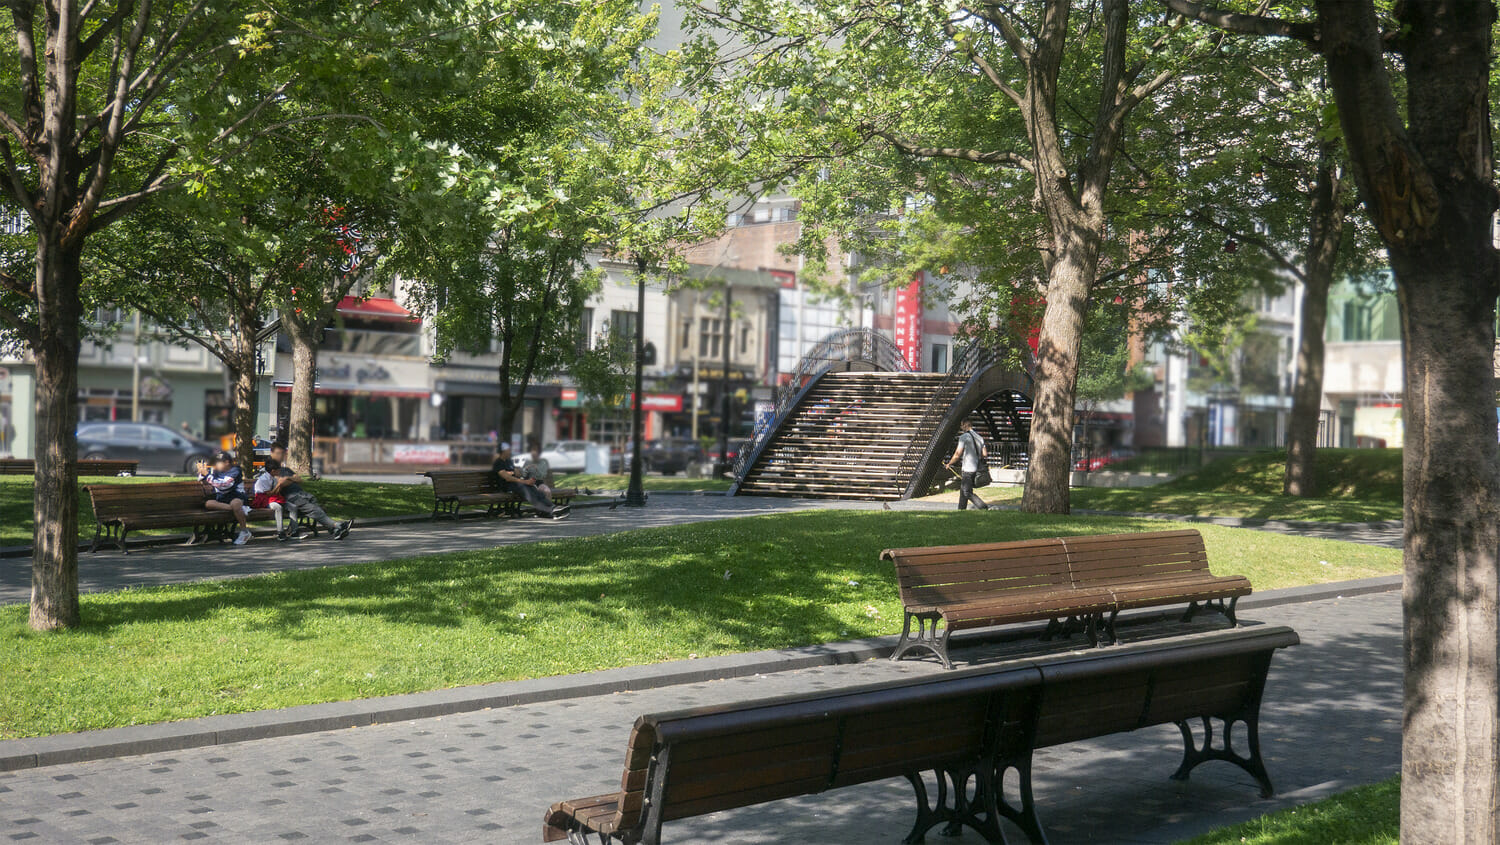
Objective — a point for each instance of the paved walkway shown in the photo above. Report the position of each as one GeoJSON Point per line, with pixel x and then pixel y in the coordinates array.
{"type": "Point", "coordinates": [1331, 720]}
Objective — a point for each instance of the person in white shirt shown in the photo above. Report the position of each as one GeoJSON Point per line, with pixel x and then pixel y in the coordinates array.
{"type": "Point", "coordinates": [972, 450]}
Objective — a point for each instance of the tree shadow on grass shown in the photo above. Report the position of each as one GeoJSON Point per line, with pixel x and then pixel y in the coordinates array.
{"type": "Point", "coordinates": [759, 582]}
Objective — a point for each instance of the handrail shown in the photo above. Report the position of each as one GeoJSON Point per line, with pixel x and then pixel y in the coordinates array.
{"type": "Point", "coordinates": [840, 347]}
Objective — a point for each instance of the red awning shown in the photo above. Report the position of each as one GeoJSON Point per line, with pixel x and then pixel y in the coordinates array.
{"type": "Point", "coordinates": [377, 309]}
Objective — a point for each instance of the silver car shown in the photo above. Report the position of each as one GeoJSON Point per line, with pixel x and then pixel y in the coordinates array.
{"type": "Point", "coordinates": [562, 457]}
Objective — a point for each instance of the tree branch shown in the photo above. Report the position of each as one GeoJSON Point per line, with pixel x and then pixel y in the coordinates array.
{"type": "Point", "coordinates": [1256, 240]}
{"type": "Point", "coordinates": [1243, 24]}
{"type": "Point", "coordinates": [958, 153]}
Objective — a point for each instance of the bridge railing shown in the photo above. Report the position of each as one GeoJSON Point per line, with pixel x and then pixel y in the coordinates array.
{"type": "Point", "coordinates": [841, 347]}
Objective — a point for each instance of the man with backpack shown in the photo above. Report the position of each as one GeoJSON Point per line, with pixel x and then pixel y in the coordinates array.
{"type": "Point", "coordinates": [973, 452]}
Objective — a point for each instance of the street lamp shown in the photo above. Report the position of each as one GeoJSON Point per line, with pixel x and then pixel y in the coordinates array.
{"type": "Point", "coordinates": [635, 494]}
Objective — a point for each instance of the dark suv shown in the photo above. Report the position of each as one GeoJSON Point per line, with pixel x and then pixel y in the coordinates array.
{"type": "Point", "coordinates": [158, 448]}
{"type": "Point", "coordinates": [670, 457]}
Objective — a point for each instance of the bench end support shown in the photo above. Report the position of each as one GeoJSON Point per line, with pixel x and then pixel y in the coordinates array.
{"type": "Point", "coordinates": [927, 636]}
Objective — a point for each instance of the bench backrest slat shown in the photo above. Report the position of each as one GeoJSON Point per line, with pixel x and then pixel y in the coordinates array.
{"type": "Point", "coordinates": [980, 571]}
{"type": "Point", "coordinates": [1116, 559]}
{"type": "Point", "coordinates": [1212, 674]}
{"type": "Point", "coordinates": [462, 482]}
{"type": "Point", "coordinates": [116, 501]}
{"type": "Point", "coordinates": [725, 757]}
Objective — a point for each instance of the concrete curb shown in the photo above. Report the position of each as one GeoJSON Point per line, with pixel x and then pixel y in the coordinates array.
{"type": "Point", "coordinates": [313, 718]}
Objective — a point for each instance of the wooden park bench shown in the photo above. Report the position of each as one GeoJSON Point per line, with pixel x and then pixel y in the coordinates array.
{"type": "Point", "coordinates": [122, 508]}
{"type": "Point", "coordinates": [969, 729]}
{"type": "Point", "coordinates": [455, 489]}
{"type": "Point", "coordinates": [1058, 580]}
{"type": "Point", "coordinates": [27, 466]}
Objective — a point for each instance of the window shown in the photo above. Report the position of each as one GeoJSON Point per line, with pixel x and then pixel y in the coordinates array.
{"type": "Point", "coordinates": [744, 340]}
{"type": "Point", "coordinates": [940, 357]}
{"type": "Point", "coordinates": [709, 332]}
{"type": "Point", "coordinates": [585, 330]}
{"type": "Point", "coordinates": [687, 333]}
{"type": "Point", "coordinates": [622, 325]}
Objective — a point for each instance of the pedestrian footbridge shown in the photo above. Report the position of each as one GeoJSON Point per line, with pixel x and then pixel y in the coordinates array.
{"type": "Point", "coordinates": [855, 423]}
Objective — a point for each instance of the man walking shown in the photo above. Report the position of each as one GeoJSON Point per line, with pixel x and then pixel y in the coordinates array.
{"type": "Point", "coordinates": [971, 449]}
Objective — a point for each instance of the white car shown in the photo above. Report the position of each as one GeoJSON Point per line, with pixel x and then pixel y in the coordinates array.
{"type": "Point", "coordinates": [562, 457]}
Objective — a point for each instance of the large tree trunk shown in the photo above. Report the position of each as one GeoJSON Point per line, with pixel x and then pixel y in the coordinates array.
{"type": "Point", "coordinates": [54, 557]}
{"type": "Point", "coordinates": [1452, 718]}
{"type": "Point", "coordinates": [1325, 236]}
{"type": "Point", "coordinates": [304, 387]}
{"type": "Point", "coordinates": [1051, 448]}
{"type": "Point", "coordinates": [1429, 188]}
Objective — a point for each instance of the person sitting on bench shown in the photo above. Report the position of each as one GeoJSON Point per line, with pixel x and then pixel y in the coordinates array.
{"type": "Point", "coordinates": [508, 477]}
{"type": "Point", "coordinates": [299, 501]}
{"type": "Point", "coordinates": [228, 486]}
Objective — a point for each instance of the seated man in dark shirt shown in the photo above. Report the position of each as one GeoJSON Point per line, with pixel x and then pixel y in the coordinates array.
{"type": "Point", "coordinates": [508, 478]}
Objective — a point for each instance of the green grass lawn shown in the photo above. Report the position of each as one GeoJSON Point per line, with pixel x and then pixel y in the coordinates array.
{"type": "Point", "coordinates": [527, 611]}
{"type": "Point", "coordinates": [1354, 485]}
{"type": "Point", "coordinates": [1369, 815]}
{"type": "Point", "coordinates": [664, 483]}
{"type": "Point", "coordinates": [340, 498]}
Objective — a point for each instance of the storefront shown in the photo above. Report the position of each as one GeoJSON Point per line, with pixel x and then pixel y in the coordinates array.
{"type": "Point", "coordinates": [362, 397]}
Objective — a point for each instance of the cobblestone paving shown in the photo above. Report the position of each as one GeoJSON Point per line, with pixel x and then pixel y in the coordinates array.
{"type": "Point", "coordinates": [1332, 713]}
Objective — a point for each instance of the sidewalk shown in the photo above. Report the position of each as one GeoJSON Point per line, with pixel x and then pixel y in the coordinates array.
{"type": "Point", "coordinates": [1331, 720]}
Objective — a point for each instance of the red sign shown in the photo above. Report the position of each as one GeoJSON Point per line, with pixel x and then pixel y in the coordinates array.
{"type": "Point", "coordinates": [909, 322]}
{"type": "Point", "coordinates": [669, 403]}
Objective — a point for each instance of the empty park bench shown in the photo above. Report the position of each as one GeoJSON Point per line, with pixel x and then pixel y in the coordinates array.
{"type": "Point", "coordinates": [27, 466]}
{"type": "Point", "coordinates": [969, 729]}
{"type": "Point", "coordinates": [1089, 579]}
{"type": "Point", "coordinates": [122, 508]}
{"type": "Point", "coordinates": [455, 489]}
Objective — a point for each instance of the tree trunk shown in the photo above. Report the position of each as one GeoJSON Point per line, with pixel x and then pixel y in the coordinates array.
{"type": "Point", "coordinates": [54, 557]}
{"type": "Point", "coordinates": [1051, 448]}
{"type": "Point", "coordinates": [1451, 726]}
{"type": "Point", "coordinates": [304, 380]}
{"type": "Point", "coordinates": [246, 396]}
{"type": "Point", "coordinates": [1429, 188]}
{"type": "Point", "coordinates": [1325, 236]}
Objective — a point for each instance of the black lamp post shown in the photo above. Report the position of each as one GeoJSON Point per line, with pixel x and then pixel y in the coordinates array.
{"type": "Point", "coordinates": [635, 494]}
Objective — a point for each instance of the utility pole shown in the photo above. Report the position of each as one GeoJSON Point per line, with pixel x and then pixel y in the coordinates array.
{"type": "Point", "coordinates": [135, 370]}
{"type": "Point", "coordinates": [724, 399]}
{"type": "Point", "coordinates": [635, 494]}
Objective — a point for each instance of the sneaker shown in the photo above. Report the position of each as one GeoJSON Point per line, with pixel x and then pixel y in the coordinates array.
{"type": "Point", "coordinates": [561, 513]}
{"type": "Point", "coordinates": [246, 509]}
{"type": "Point", "coordinates": [341, 530]}
{"type": "Point", "coordinates": [243, 538]}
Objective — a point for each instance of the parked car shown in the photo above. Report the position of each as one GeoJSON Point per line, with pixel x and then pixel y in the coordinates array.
{"type": "Point", "coordinates": [156, 447]}
{"type": "Point", "coordinates": [670, 457]}
{"type": "Point", "coordinates": [562, 457]}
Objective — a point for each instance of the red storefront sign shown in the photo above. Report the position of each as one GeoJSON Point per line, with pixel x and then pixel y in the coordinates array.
{"type": "Point", "coordinates": [669, 403]}
{"type": "Point", "coordinates": [908, 327]}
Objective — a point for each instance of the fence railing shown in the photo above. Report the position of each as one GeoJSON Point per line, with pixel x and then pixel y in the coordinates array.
{"type": "Point", "coordinates": [841, 347]}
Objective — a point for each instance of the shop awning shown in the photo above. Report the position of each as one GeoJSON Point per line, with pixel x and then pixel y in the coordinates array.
{"type": "Point", "coordinates": [374, 309]}
{"type": "Point", "coordinates": [396, 393]}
